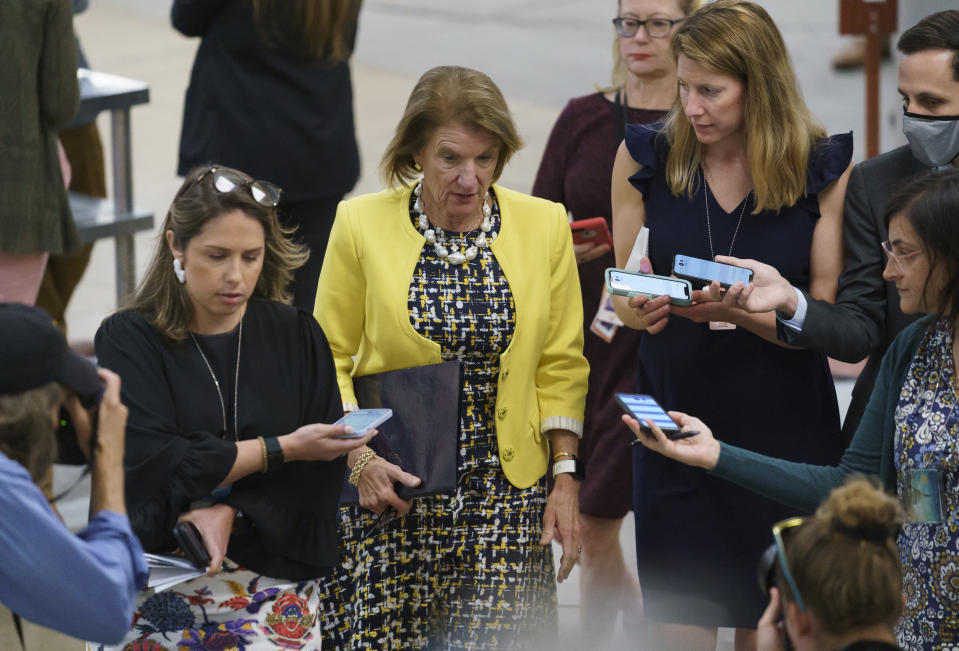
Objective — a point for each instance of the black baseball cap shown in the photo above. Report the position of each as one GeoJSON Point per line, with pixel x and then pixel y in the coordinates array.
{"type": "Point", "coordinates": [33, 353]}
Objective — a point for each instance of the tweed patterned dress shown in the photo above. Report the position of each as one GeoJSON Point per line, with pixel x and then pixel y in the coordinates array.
{"type": "Point", "coordinates": [460, 571]}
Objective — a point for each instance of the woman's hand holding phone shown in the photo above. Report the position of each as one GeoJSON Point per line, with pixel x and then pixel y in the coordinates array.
{"type": "Point", "coordinates": [214, 524]}
{"type": "Point", "coordinates": [653, 313]}
{"type": "Point", "coordinates": [701, 451]}
{"type": "Point", "coordinates": [588, 251]}
{"type": "Point", "coordinates": [321, 442]}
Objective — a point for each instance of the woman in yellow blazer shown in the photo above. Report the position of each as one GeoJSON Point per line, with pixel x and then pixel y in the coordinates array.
{"type": "Point", "coordinates": [454, 267]}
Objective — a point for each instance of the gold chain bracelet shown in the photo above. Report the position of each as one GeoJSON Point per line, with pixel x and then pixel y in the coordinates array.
{"type": "Point", "coordinates": [360, 464]}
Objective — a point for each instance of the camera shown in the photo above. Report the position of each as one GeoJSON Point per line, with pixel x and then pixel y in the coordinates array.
{"type": "Point", "coordinates": [68, 448]}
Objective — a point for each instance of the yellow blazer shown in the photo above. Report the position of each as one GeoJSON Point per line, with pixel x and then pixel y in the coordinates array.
{"type": "Point", "coordinates": [361, 303]}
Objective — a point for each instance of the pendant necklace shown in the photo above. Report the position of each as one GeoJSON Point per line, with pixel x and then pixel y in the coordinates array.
{"type": "Point", "coordinates": [720, 325]}
{"type": "Point", "coordinates": [216, 382]}
{"type": "Point", "coordinates": [437, 237]}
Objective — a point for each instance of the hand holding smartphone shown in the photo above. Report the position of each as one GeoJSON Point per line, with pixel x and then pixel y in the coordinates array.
{"type": "Point", "coordinates": [190, 542]}
{"type": "Point", "coordinates": [643, 408]}
{"type": "Point", "coordinates": [591, 231]}
{"type": "Point", "coordinates": [362, 421]}
{"type": "Point", "coordinates": [628, 283]}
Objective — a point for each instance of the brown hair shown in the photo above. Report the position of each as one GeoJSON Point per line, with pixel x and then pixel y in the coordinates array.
{"type": "Point", "coordinates": [308, 29]}
{"type": "Point", "coordinates": [928, 202]}
{"type": "Point", "coordinates": [845, 560]}
{"type": "Point", "coordinates": [619, 66]}
{"type": "Point", "coordinates": [442, 96]}
{"type": "Point", "coordinates": [938, 31]}
{"type": "Point", "coordinates": [163, 299]}
{"type": "Point", "coordinates": [739, 39]}
{"type": "Point", "coordinates": [27, 429]}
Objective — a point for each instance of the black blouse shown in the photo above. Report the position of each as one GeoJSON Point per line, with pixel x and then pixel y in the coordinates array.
{"type": "Point", "coordinates": [177, 451]}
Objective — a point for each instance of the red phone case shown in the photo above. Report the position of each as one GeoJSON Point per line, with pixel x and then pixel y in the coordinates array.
{"type": "Point", "coordinates": [593, 230]}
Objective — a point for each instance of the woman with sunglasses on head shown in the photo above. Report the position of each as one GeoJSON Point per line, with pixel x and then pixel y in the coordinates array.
{"type": "Point", "coordinates": [575, 171]}
{"type": "Point", "coordinates": [739, 165]}
{"type": "Point", "coordinates": [228, 388]}
{"type": "Point", "coordinates": [837, 577]}
{"type": "Point", "coordinates": [910, 429]}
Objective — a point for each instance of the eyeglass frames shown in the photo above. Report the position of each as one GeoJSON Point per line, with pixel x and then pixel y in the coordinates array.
{"type": "Point", "coordinates": [778, 529]}
{"type": "Point", "coordinates": [655, 27]}
{"type": "Point", "coordinates": [225, 181]}
{"type": "Point", "coordinates": [899, 258]}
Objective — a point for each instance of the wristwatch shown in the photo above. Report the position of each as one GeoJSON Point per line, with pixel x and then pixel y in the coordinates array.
{"type": "Point", "coordinates": [573, 466]}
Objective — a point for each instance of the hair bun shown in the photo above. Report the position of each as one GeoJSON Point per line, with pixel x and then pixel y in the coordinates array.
{"type": "Point", "coordinates": [875, 533]}
{"type": "Point", "coordinates": [861, 510]}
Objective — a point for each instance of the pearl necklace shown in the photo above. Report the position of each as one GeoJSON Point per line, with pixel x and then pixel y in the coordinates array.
{"type": "Point", "coordinates": [437, 237]}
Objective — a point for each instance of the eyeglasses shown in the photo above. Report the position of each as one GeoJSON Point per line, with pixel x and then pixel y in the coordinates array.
{"type": "Point", "coordinates": [778, 529]}
{"type": "Point", "coordinates": [225, 181]}
{"type": "Point", "coordinates": [900, 258]}
{"type": "Point", "coordinates": [655, 27]}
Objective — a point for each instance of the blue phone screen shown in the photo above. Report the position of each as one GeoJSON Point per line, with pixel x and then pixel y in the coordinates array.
{"type": "Point", "coordinates": [645, 407]}
{"type": "Point", "coordinates": [726, 274]}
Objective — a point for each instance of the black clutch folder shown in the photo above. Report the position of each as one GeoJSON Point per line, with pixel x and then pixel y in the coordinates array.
{"type": "Point", "coordinates": [422, 437]}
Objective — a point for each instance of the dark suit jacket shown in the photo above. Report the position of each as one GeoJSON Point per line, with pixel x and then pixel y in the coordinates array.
{"type": "Point", "coordinates": [271, 115]}
{"type": "Point", "coordinates": [866, 316]}
{"type": "Point", "coordinates": [38, 95]}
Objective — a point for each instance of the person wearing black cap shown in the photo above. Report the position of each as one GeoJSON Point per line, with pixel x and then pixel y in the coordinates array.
{"type": "Point", "coordinates": [83, 585]}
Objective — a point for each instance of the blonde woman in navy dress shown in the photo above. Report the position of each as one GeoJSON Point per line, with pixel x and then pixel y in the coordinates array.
{"type": "Point", "coordinates": [740, 165]}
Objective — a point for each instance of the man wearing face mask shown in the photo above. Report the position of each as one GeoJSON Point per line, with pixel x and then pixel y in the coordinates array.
{"type": "Point", "coordinates": [866, 316]}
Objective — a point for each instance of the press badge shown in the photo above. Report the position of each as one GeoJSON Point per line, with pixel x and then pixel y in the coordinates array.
{"type": "Point", "coordinates": [923, 496]}
{"type": "Point", "coordinates": [721, 325]}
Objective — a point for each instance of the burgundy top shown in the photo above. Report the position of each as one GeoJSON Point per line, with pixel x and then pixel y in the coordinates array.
{"type": "Point", "coordinates": [576, 169]}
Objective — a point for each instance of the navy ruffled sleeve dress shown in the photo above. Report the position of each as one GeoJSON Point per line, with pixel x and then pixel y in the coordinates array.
{"type": "Point", "coordinates": [698, 537]}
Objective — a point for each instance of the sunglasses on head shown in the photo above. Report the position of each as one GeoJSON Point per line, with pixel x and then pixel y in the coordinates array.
{"type": "Point", "coordinates": [226, 181]}
{"type": "Point", "coordinates": [774, 561]}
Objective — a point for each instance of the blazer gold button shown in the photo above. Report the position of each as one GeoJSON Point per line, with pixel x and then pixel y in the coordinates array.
{"type": "Point", "coordinates": [508, 454]}
{"type": "Point", "coordinates": [505, 373]}
{"type": "Point", "coordinates": [501, 413]}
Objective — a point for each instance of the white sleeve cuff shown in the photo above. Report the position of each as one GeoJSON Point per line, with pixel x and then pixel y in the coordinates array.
{"type": "Point", "coordinates": [799, 318]}
{"type": "Point", "coordinates": [350, 406]}
{"type": "Point", "coordinates": [562, 422]}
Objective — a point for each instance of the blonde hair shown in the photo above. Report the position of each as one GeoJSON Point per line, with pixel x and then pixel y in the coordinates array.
{"type": "Point", "coordinates": [309, 29]}
{"type": "Point", "coordinates": [739, 39]}
{"type": "Point", "coordinates": [618, 75]}
{"type": "Point", "coordinates": [163, 299]}
{"type": "Point", "coordinates": [27, 430]}
{"type": "Point", "coordinates": [845, 560]}
{"type": "Point", "coordinates": [442, 96]}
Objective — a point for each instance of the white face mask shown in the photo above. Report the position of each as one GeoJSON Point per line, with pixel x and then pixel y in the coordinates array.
{"type": "Point", "coordinates": [934, 139]}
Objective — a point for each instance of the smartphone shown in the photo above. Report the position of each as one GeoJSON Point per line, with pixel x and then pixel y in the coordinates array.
{"type": "Point", "coordinates": [643, 407]}
{"type": "Point", "coordinates": [362, 421]}
{"type": "Point", "coordinates": [627, 283]}
{"type": "Point", "coordinates": [593, 230]}
{"type": "Point", "coordinates": [190, 542]}
{"type": "Point", "coordinates": [705, 272]}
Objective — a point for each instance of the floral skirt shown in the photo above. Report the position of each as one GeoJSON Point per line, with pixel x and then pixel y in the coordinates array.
{"type": "Point", "coordinates": [237, 609]}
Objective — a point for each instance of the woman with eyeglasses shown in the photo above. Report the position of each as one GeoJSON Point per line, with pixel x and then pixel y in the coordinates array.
{"type": "Point", "coordinates": [575, 171]}
{"type": "Point", "coordinates": [228, 390]}
{"type": "Point", "coordinates": [834, 579]}
{"type": "Point", "coordinates": [910, 429]}
{"type": "Point", "coordinates": [739, 165]}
